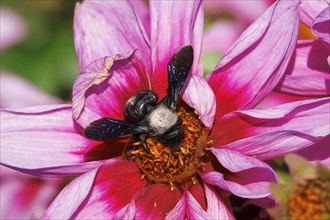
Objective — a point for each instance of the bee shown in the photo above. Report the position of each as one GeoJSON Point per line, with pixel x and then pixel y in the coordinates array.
{"type": "Point", "coordinates": [145, 115]}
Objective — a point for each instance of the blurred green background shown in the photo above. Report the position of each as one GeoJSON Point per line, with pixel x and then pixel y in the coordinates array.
{"type": "Point", "coordinates": [46, 56]}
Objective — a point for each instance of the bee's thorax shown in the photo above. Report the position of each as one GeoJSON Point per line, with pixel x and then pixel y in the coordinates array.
{"type": "Point", "coordinates": [161, 119]}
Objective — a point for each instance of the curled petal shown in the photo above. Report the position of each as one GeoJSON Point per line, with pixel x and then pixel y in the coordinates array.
{"type": "Point", "coordinates": [308, 71]}
{"type": "Point", "coordinates": [71, 197]}
{"type": "Point", "coordinates": [42, 140]}
{"type": "Point", "coordinates": [321, 27]}
{"type": "Point", "coordinates": [310, 9]}
{"type": "Point", "coordinates": [252, 68]}
{"type": "Point", "coordinates": [248, 177]}
{"type": "Point", "coordinates": [269, 133]}
{"type": "Point", "coordinates": [186, 28]}
{"type": "Point", "coordinates": [113, 190]}
{"type": "Point", "coordinates": [199, 96]}
{"type": "Point", "coordinates": [104, 87]}
{"type": "Point", "coordinates": [97, 34]}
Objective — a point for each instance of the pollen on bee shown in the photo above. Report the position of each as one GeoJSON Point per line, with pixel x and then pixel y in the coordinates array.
{"type": "Point", "coordinates": [164, 164]}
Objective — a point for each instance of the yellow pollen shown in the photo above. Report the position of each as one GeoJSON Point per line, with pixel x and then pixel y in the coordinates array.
{"type": "Point", "coordinates": [310, 200]}
{"type": "Point", "coordinates": [177, 165]}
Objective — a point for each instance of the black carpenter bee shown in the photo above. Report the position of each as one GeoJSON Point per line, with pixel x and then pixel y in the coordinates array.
{"type": "Point", "coordinates": [145, 115]}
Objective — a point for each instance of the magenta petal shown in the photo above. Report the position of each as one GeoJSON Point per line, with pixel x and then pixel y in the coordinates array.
{"type": "Point", "coordinates": [71, 197]}
{"type": "Point", "coordinates": [216, 209]}
{"type": "Point", "coordinates": [24, 195]}
{"type": "Point", "coordinates": [186, 28]}
{"type": "Point", "coordinates": [97, 34]}
{"type": "Point", "coordinates": [321, 27]}
{"type": "Point", "coordinates": [248, 177]}
{"type": "Point", "coordinates": [215, 206]}
{"type": "Point", "coordinates": [310, 9]}
{"type": "Point", "coordinates": [41, 140]}
{"type": "Point", "coordinates": [200, 97]}
{"type": "Point", "coordinates": [252, 68]}
{"type": "Point", "coordinates": [269, 133]}
{"type": "Point", "coordinates": [105, 85]}
{"type": "Point", "coordinates": [156, 201]}
{"type": "Point", "coordinates": [127, 212]}
{"type": "Point", "coordinates": [319, 152]}
{"type": "Point", "coordinates": [142, 11]}
{"type": "Point", "coordinates": [179, 211]}
{"type": "Point", "coordinates": [308, 71]}
{"type": "Point", "coordinates": [194, 209]}
{"type": "Point", "coordinates": [115, 186]}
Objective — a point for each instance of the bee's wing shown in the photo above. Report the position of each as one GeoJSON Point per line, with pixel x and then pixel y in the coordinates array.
{"type": "Point", "coordinates": [107, 128]}
{"type": "Point", "coordinates": [178, 69]}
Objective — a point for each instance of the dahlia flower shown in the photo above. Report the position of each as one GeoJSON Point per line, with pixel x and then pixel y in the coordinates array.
{"type": "Point", "coordinates": [225, 139]}
{"type": "Point", "coordinates": [307, 195]}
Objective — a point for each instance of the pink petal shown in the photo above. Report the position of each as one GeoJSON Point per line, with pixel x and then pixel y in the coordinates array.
{"type": "Point", "coordinates": [216, 208]}
{"type": "Point", "coordinates": [142, 11]}
{"type": "Point", "coordinates": [269, 133]}
{"type": "Point", "coordinates": [179, 211]}
{"type": "Point", "coordinates": [246, 11]}
{"type": "Point", "coordinates": [156, 201]}
{"type": "Point", "coordinates": [23, 195]}
{"type": "Point", "coordinates": [13, 28]}
{"type": "Point", "coordinates": [321, 27]}
{"type": "Point", "coordinates": [244, 77]}
{"type": "Point", "coordinates": [115, 186]}
{"type": "Point", "coordinates": [319, 152]}
{"type": "Point", "coordinates": [71, 197]}
{"type": "Point", "coordinates": [308, 70]}
{"type": "Point", "coordinates": [104, 87]}
{"type": "Point", "coordinates": [26, 95]}
{"type": "Point", "coordinates": [215, 205]}
{"type": "Point", "coordinates": [227, 31]}
{"type": "Point", "coordinates": [248, 177]}
{"type": "Point", "coordinates": [199, 96]}
{"type": "Point", "coordinates": [310, 9]}
{"type": "Point", "coordinates": [194, 209]}
{"type": "Point", "coordinates": [42, 140]}
{"type": "Point", "coordinates": [186, 27]}
{"type": "Point", "coordinates": [277, 98]}
{"type": "Point", "coordinates": [97, 34]}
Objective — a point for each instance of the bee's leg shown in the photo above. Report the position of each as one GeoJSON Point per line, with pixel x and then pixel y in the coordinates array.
{"type": "Point", "coordinates": [142, 137]}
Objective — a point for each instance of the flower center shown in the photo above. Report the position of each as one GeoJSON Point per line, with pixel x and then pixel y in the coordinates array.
{"type": "Point", "coordinates": [311, 200]}
{"type": "Point", "coordinates": [163, 164]}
